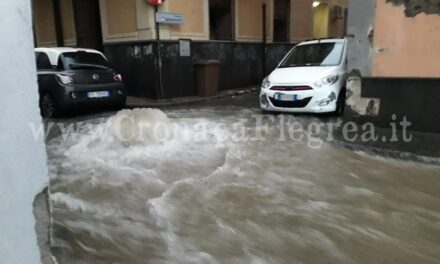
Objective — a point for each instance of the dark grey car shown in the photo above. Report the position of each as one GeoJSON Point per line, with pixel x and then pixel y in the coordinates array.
{"type": "Point", "coordinates": [76, 78]}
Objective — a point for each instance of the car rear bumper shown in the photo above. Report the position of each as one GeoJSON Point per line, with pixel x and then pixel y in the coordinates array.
{"type": "Point", "coordinates": [75, 96]}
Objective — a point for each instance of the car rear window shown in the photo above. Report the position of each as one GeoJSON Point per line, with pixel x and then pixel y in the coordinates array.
{"type": "Point", "coordinates": [83, 60]}
{"type": "Point", "coordinates": [43, 62]}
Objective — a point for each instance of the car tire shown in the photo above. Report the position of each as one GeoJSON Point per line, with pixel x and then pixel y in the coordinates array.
{"type": "Point", "coordinates": [340, 103]}
{"type": "Point", "coordinates": [47, 106]}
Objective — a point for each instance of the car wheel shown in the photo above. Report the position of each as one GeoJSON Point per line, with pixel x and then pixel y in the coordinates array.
{"type": "Point", "coordinates": [340, 104]}
{"type": "Point", "coordinates": [47, 106]}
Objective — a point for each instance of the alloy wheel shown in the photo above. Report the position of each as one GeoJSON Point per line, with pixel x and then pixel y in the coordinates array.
{"type": "Point", "coordinates": [47, 106]}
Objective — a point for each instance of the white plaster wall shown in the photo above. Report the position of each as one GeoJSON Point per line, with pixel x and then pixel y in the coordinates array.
{"type": "Point", "coordinates": [23, 170]}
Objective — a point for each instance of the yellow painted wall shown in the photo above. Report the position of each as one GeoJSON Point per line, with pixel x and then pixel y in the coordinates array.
{"type": "Point", "coordinates": [406, 47]}
{"type": "Point", "coordinates": [120, 16]}
{"type": "Point", "coordinates": [249, 19]}
{"type": "Point", "coordinates": [301, 20]}
{"type": "Point", "coordinates": [305, 25]}
{"type": "Point", "coordinates": [44, 22]}
{"type": "Point", "coordinates": [320, 21]}
{"type": "Point", "coordinates": [195, 17]}
{"type": "Point", "coordinates": [121, 21]}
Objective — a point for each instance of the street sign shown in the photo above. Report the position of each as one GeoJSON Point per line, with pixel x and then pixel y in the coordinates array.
{"type": "Point", "coordinates": [156, 2]}
{"type": "Point", "coordinates": [185, 47]}
{"type": "Point", "coordinates": [170, 18]}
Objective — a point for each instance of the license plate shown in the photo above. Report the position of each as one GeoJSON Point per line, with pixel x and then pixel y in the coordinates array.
{"type": "Point", "coordinates": [98, 94]}
{"type": "Point", "coordinates": [286, 97]}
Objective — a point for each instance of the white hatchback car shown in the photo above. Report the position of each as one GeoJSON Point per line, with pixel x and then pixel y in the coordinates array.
{"type": "Point", "coordinates": [310, 79]}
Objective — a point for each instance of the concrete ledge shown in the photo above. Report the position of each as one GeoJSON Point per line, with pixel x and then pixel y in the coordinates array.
{"type": "Point", "coordinates": [414, 98]}
{"type": "Point", "coordinates": [135, 102]}
{"type": "Point", "coordinates": [423, 148]}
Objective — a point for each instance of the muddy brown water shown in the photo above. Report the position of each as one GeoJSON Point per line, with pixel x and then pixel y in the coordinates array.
{"type": "Point", "coordinates": [222, 199]}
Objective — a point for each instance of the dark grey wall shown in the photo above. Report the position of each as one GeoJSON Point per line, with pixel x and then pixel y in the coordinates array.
{"type": "Point", "coordinates": [241, 65]}
{"type": "Point", "coordinates": [136, 64]}
{"type": "Point", "coordinates": [415, 98]}
{"type": "Point", "coordinates": [275, 52]}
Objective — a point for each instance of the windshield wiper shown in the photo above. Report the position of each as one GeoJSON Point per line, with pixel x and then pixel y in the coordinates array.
{"type": "Point", "coordinates": [87, 66]}
{"type": "Point", "coordinates": [290, 66]}
{"type": "Point", "coordinates": [298, 65]}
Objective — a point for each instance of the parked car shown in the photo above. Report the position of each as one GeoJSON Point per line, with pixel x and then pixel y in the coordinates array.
{"type": "Point", "coordinates": [310, 79]}
{"type": "Point", "coordinates": [76, 78]}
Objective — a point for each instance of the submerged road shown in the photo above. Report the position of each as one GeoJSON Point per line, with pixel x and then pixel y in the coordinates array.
{"type": "Point", "coordinates": [218, 182]}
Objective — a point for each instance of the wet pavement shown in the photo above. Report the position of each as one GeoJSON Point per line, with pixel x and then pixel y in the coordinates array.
{"type": "Point", "coordinates": [234, 195]}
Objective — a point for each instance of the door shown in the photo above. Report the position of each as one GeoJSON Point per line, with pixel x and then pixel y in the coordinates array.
{"type": "Point", "coordinates": [88, 24]}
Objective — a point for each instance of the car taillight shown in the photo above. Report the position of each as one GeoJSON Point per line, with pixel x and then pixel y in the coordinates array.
{"type": "Point", "coordinates": [117, 78]}
{"type": "Point", "coordinates": [64, 79]}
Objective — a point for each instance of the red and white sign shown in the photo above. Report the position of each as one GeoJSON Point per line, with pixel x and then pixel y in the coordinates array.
{"type": "Point", "coordinates": [156, 2]}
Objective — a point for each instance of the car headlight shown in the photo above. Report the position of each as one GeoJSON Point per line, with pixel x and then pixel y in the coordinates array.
{"type": "Point", "coordinates": [64, 79]}
{"type": "Point", "coordinates": [266, 83]}
{"type": "Point", "coordinates": [327, 81]}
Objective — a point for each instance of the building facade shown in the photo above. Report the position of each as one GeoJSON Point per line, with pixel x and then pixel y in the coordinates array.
{"type": "Point", "coordinates": [394, 56]}
{"type": "Point", "coordinates": [230, 31]}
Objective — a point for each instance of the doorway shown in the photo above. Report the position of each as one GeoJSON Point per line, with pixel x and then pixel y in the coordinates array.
{"type": "Point", "coordinates": [281, 24]}
{"type": "Point", "coordinates": [221, 19]}
{"type": "Point", "coordinates": [88, 24]}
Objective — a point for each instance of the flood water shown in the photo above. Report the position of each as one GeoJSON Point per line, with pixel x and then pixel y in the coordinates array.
{"type": "Point", "coordinates": [226, 200]}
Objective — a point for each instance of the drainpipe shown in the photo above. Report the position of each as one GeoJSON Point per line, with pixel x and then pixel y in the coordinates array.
{"type": "Point", "coordinates": [264, 8]}
{"type": "Point", "coordinates": [158, 54]}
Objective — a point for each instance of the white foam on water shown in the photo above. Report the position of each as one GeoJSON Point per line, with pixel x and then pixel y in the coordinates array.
{"type": "Point", "coordinates": [79, 206]}
{"type": "Point", "coordinates": [359, 191]}
{"type": "Point", "coordinates": [140, 126]}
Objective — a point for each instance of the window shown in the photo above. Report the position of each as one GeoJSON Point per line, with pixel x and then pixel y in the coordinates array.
{"type": "Point", "coordinates": [320, 54]}
{"type": "Point", "coordinates": [281, 23]}
{"type": "Point", "coordinates": [83, 60]}
{"type": "Point", "coordinates": [43, 62]}
{"type": "Point", "coordinates": [221, 19]}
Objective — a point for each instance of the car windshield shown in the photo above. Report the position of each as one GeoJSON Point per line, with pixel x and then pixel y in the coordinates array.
{"type": "Point", "coordinates": [319, 54]}
{"type": "Point", "coordinates": [84, 60]}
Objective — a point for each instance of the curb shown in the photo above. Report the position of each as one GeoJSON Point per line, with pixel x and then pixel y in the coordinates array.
{"type": "Point", "coordinates": [389, 153]}
{"type": "Point", "coordinates": [145, 102]}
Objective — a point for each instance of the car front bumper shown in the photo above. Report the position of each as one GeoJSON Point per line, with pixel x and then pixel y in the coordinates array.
{"type": "Point", "coordinates": [322, 100]}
